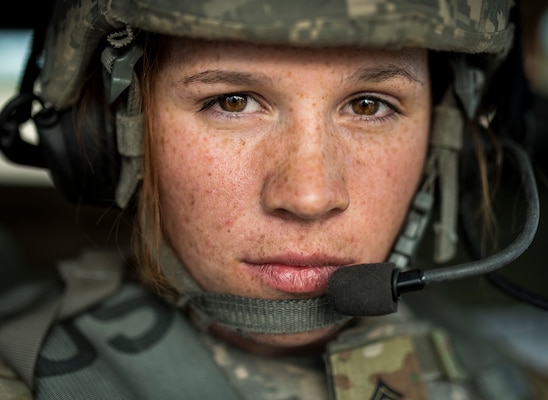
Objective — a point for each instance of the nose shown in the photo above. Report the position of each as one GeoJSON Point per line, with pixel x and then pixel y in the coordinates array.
{"type": "Point", "coordinates": [307, 180]}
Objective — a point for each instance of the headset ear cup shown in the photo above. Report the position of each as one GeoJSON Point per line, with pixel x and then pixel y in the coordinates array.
{"type": "Point", "coordinates": [80, 151]}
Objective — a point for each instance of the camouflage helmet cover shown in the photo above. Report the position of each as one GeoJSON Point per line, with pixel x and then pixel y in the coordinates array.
{"type": "Point", "coordinates": [465, 26]}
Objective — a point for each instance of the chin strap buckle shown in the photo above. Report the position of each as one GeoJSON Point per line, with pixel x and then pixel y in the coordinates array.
{"type": "Point", "coordinates": [118, 71]}
{"type": "Point", "coordinates": [413, 229]}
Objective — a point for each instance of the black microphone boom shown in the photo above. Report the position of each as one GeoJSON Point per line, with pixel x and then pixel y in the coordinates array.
{"type": "Point", "coordinates": [374, 289]}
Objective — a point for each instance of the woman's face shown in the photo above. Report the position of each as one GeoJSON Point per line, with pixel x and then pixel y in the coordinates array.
{"type": "Point", "coordinates": [278, 165]}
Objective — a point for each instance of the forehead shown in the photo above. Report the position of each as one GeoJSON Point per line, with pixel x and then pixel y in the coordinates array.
{"type": "Point", "coordinates": [196, 53]}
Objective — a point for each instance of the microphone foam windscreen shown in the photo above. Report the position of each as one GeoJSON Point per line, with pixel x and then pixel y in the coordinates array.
{"type": "Point", "coordinates": [363, 290]}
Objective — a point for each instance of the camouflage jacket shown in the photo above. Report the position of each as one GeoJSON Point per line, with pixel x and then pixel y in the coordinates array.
{"type": "Point", "coordinates": [134, 346]}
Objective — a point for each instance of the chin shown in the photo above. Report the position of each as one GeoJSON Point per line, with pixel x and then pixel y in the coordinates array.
{"type": "Point", "coordinates": [278, 344]}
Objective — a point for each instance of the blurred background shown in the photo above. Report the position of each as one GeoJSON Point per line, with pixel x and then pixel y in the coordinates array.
{"type": "Point", "coordinates": [39, 227]}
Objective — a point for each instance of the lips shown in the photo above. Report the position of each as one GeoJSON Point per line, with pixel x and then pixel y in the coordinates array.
{"type": "Point", "coordinates": [296, 276]}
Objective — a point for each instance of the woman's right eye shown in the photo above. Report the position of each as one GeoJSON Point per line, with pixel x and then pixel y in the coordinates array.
{"type": "Point", "coordinates": [232, 103]}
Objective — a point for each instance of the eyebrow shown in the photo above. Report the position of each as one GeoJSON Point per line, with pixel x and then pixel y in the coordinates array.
{"type": "Point", "coordinates": [383, 73]}
{"type": "Point", "coordinates": [229, 77]}
{"type": "Point", "coordinates": [365, 74]}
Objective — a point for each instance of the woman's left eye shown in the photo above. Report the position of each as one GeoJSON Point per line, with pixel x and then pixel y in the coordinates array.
{"type": "Point", "coordinates": [370, 107]}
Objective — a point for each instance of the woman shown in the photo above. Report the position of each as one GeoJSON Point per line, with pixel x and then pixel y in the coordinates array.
{"type": "Point", "coordinates": [285, 158]}
{"type": "Point", "coordinates": [269, 145]}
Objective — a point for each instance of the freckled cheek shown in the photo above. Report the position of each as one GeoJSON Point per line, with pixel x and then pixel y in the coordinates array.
{"type": "Point", "coordinates": [172, 160]}
{"type": "Point", "coordinates": [406, 157]}
{"type": "Point", "coordinates": [388, 176]}
{"type": "Point", "coordinates": [199, 185]}
{"type": "Point", "coordinates": [202, 206]}
{"type": "Point", "coordinates": [404, 169]}
{"type": "Point", "coordinates": [171, 150]}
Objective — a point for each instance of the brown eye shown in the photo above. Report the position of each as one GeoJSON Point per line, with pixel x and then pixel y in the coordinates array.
{"type": "Point", "coordinates": [365, 106]}
{"type": "Point", "coordinates": [233, 103]}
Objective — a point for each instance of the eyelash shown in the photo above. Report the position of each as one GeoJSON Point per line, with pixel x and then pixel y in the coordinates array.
{"type": "Point", "coordinates": [208, 104]}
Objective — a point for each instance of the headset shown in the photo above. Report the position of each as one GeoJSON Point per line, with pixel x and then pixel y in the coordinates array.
{"type": "Point", "coordinates": [80, 153]}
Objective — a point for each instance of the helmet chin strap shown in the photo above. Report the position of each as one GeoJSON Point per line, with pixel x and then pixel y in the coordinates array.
{"type": "Point", "coordinates": [243, 314]}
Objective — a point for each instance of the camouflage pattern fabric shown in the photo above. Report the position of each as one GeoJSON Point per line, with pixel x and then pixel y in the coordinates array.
{"type": "Point", "coordinates": [134, 346]}
{"type": "Point", "coordinates": [79, 27]}
{"type": "Point", "coordinates": [355, 372]}
{"type": "Point", "coordinates": [409, 358]}
{"type": "Point", "coordinates": [11, 387]}
{"type": "Point", "coordinates": [395, 361]}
